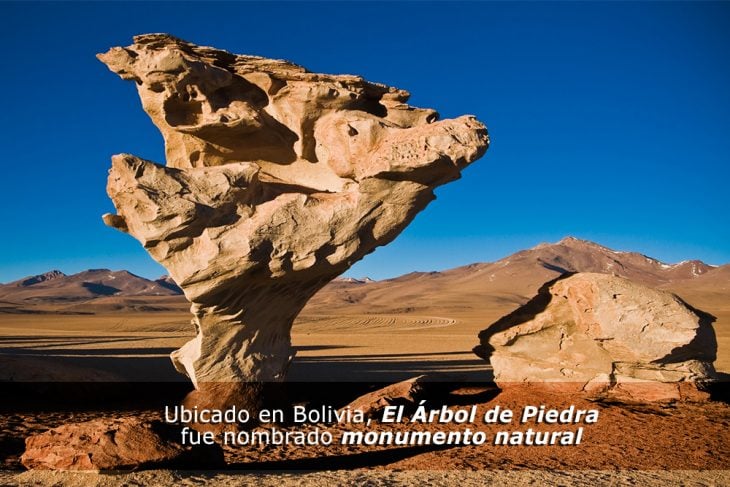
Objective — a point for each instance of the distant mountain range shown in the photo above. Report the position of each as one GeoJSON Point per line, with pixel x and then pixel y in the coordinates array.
{"type": "Point", "coordinates": [58, 289]}
{"type": "Point", "coordinates": [507, 282]}
{"type": "Point", "coordinates": [513, 280]}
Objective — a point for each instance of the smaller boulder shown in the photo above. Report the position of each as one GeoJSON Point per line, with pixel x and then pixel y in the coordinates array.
{"type": "Point", "coordinates": [408, 393]}
{"type": "Point", "coordinates": [605, 336]}
{"type": "Point", "coordinates": [113, 445]}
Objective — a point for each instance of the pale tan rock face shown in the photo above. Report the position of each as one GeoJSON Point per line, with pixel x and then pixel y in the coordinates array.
{"type": "Point", "coordinates": [603, 334]}
{"type": "Point", "coordinates": [277, 180]}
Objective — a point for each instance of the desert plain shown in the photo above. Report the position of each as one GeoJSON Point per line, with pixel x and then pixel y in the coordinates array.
{"type": "Point", "coordinates": [376, 332]}
{"type": "Point", "coordinates": [353, 330]}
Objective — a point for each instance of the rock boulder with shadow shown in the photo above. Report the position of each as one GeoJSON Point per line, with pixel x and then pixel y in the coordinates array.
{"type": "Point", "coordinates": [604, 336]}
{"type": "Point", "coordinates": [116, 445]}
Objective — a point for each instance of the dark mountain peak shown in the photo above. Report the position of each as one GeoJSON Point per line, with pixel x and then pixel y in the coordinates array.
{"type": "Point", "coordinates": [570, 240]}
{"type": "Point", "coordinates": [690, 263]}
{"type": "Point", "coordinates": [46, 276]}
{"type": "Point", "coordinates": [57, 287]}
{"type": "Point", "coordinates": [169, 283]}
{"type": "Point", "coordinates": [95, 274]}
{"type": "Point", "coordinates": [413, 275]}
{"type": "Point", "coordinates": [125, 273]}
{"type": "Point", "coordinates": [572, 254]}
{"type": "Point", "coordinates": [691, 268]}
{"type": "Point", "coordinates": [579, 243]}
{"type": "Point", "coordinates": [573, 246]}
{"type": "Point", "coordinates": [354, 280]}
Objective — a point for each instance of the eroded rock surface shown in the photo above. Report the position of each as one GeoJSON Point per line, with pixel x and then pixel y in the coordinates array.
{"type": "Point", "coordinates": [115, 444]}
{"type": "Point", "coordinates": [606, 336]}
{"type": "Point", "coordinates": [277, 180]}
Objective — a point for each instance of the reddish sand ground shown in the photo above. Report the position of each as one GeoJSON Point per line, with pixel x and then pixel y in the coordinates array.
{"type": "Point", "coordinates": [681, 436]}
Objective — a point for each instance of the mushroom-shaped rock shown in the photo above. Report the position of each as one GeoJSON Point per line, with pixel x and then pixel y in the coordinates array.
{"type": "Point", "coordinates": [277, 180]}
{"type": "Point", "coordinates": [606, 336]}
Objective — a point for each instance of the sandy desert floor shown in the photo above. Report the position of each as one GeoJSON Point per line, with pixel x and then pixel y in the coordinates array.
{"type": "Point", "coordinates": [354, 347]}
{"type": "Point", "coordinates": [136, 346]}
{"type": "Point", "coordinates": [465, 478]}
{"type": "Point", "coordinates": [680, 444]}
{"type": "Point", "coordinates": [688, 445]}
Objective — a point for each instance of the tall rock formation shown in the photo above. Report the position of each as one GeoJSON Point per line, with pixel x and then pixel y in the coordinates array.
{"type": "Point", "coordinates": [604, 335]}
{"type": "Point", "coordinates": [277, 181]}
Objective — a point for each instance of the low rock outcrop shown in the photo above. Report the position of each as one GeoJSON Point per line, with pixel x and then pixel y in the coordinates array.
{"type": "Point", "coordinates": [407, 392]}
{"type": "Point", "coordinates": [605, 336]}
{"type": "Point", "coordinates": [116, 444]}
{"type": "Point", "coordinates": [277, 181]}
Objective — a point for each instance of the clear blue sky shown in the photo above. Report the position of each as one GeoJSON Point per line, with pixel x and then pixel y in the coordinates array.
{"type": "Point", "coordinates": [609, 121]}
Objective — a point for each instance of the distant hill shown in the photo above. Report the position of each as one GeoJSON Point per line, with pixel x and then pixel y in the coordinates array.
{"type": "Point", "coordinates": [56, 287]}
{"type": "Point", "coordinates": [716, 281]}
{"type": "Point", "coordinates": [168, 283]}
{"type": "Point", "coordinates": [353, 280]}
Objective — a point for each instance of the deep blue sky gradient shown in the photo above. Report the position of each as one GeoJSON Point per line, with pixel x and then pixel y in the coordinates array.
{"type": "Point", "coordinates": [609, 121]}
